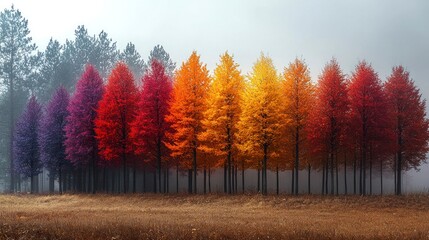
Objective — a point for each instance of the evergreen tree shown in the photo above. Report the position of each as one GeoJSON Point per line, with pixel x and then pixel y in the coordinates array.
{"type": "Point", "coordinates": [49, 77]}
{"type": "Point", "coordinates": [105, 54]}
{"type": "Point", "coordinates": [162, 56]}
{"type": "Point", "coordinates": [17, 60]}
{"type": "Point", "coordinates": [133, 60]}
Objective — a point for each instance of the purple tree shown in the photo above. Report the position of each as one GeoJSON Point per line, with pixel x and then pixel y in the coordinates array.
{"type": "Point", "coordinates": [81, 145]}
{"type": "Point", "coordinates": [52, 135]}
{"type": "Point", "coordinates": [25, 146]}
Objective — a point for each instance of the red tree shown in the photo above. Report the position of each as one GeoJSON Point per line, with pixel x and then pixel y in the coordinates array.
{"type": "Point", "coordinates": [410, 125]}
{"type": "Point", "coordinates": [368, 117]}
{"type": "Point", "coordinates": [328, 118]}
{"type": "Point", "coordinates": [149, 127]}
{"type": "Point", "coordinates": [115, 113]}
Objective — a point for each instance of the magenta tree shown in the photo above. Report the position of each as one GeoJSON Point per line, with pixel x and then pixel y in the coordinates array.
{"type": "Point", "coordinates": [81, 145]}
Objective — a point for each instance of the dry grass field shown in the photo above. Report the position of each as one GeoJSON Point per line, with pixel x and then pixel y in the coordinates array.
{"type": "Point", "coordinates": [213, 217]}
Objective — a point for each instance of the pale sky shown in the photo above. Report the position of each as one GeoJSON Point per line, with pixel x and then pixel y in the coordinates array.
{"type": "Point", "coordinates": [385, 33]}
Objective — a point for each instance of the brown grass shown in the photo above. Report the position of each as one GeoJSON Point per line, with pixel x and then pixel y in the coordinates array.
{"type": "Point", "coordinates": [213, 217]}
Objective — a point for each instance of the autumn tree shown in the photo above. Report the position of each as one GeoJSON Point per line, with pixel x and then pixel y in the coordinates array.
{"type": "Point", "coordinates": [116, 111]}
{"type": "Point", "coordinates": [149, 128]}
{"type": "Point", "coordinates": [186, 114]}
{"type": "Point", "coordinates": [327, 124]}
{"type": "Point", "coordinates": [81, 144]}
{"type": "Point", "coordinates": [222, 113]}
{"type": "Point", "coordinates": [26, 148]}
{"type": "Point", "coordinates": [261, 120]}
{"type": "Point", "coordinates": [410, 125]}
{"type": "Point", "coordinates": [53, 135]}
{"type": "Point", "coordinates": [298, 91]}
{"type": "Point", "coordinates": [367, 115]}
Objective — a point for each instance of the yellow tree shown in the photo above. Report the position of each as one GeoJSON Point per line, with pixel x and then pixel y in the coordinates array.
{"type": "Point", "coordinates": [261, 120]}
{"type": "Point", "coordinates": [222, 114]}
{"type": "Point", "coordinates": [186, 113]}
{"type": "Point", "coordinates": [298, 92]}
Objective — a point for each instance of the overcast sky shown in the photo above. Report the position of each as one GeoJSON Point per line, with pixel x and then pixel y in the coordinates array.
{"type": "Point", "coordinates": [385, 33]}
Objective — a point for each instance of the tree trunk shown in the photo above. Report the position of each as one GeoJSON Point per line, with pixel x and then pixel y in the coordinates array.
{"type": "Point", "coordinates": [242, 175]}
{"type": "Point", "coordinates": [354, 172]}
{"type": "Point", "coordinates": [124, 165]}
{"type": "Point", "coordinates": [309, 179]}
{"type": "Point", "coordinates": [134, 175]}
{"type": "Point", "coordinates": [158, 163]}
{"type": "Point", "coordinates": [205, 182]}
{"type": "Point", "coordinates": [259, 179]}
{"type": "Point", "coordinates": [381, 177]}
{"type": "Point", "coordinates": [12, 124]}
{"type": "Point", "coordinates": [345, 173]}
{"type": "Point", "coordinates": [296, 160]}
{"type": "Point", "coordinates": [177, 177]}
{"type": "Point", "coordinates": [293, 180]}
{"type": "Point", "coordinates": [327, 177]}
{"type": "Point", "coordinates": [332, 173]}
{"type": "Point", "coordinates": [225, 177]}
{"type": "Point", "coordinates": [94, 170]}
{"type": "Point", "coordinates": [51, 183]}
{"type": "Point", "coordinates": [323, 179]}
{"type": "Point", "coordinates": [336, 174]}
{"type": "Point", "coordinates": [210, 184]}
{"type": "Point", "coordinates": [265, 169]}
{"type": "Point", "coordinates": [144, 178]}
{"type": "Point", "coordinates": [190, 181]}
{"type": "Point", "coordinates": [277, 180]}
{"type": "Point", "coordinates": [195, 168]}
{"type": "Point", "coordinates": [229, 163]}
{"type": "Point", "coordinates": [236, 180]}
{"type": "Point", "coordinates": [399, 163]}
{"type": "Point", "coordinates": [60, 181]}
{"type": "Point", "coordinates": [155, 186]}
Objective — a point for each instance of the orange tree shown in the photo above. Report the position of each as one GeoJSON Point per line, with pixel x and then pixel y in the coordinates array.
{"type": "Point", "coordinates": [186, 115]}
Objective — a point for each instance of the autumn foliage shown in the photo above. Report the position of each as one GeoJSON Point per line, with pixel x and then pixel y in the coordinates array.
{"type": "Point", "coordinates": [262, 119]}
{"type": "Point", "coordinates": [298, 91]}
{"type": "Point", "coordinates": [222, 115]}
{"type": "Point", "coordinates": [149, 128]}
{"type": "Point", "coordinates": [409, 122]}
{"type": "Point", "coordinates": [116, 112]}
{"type": "Point", "coordinates": [186, 114]}
{"type": "Point", "coordinates": [328, 118]}
{"type": "Point", "coordinates": [194, 122]}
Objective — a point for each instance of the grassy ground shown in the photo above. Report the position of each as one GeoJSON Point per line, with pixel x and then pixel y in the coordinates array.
{"type": "Point", "coordinates": [213, 217]}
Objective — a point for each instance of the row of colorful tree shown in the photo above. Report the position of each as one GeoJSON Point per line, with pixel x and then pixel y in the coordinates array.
{"type": "Point", "coordinates": [193, 122]}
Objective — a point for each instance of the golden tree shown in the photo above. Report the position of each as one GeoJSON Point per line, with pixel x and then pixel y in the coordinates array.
{"type": "Point", "coordinates": [222, 114]}
{"type": "Point", "coordinates": [261, 121]}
